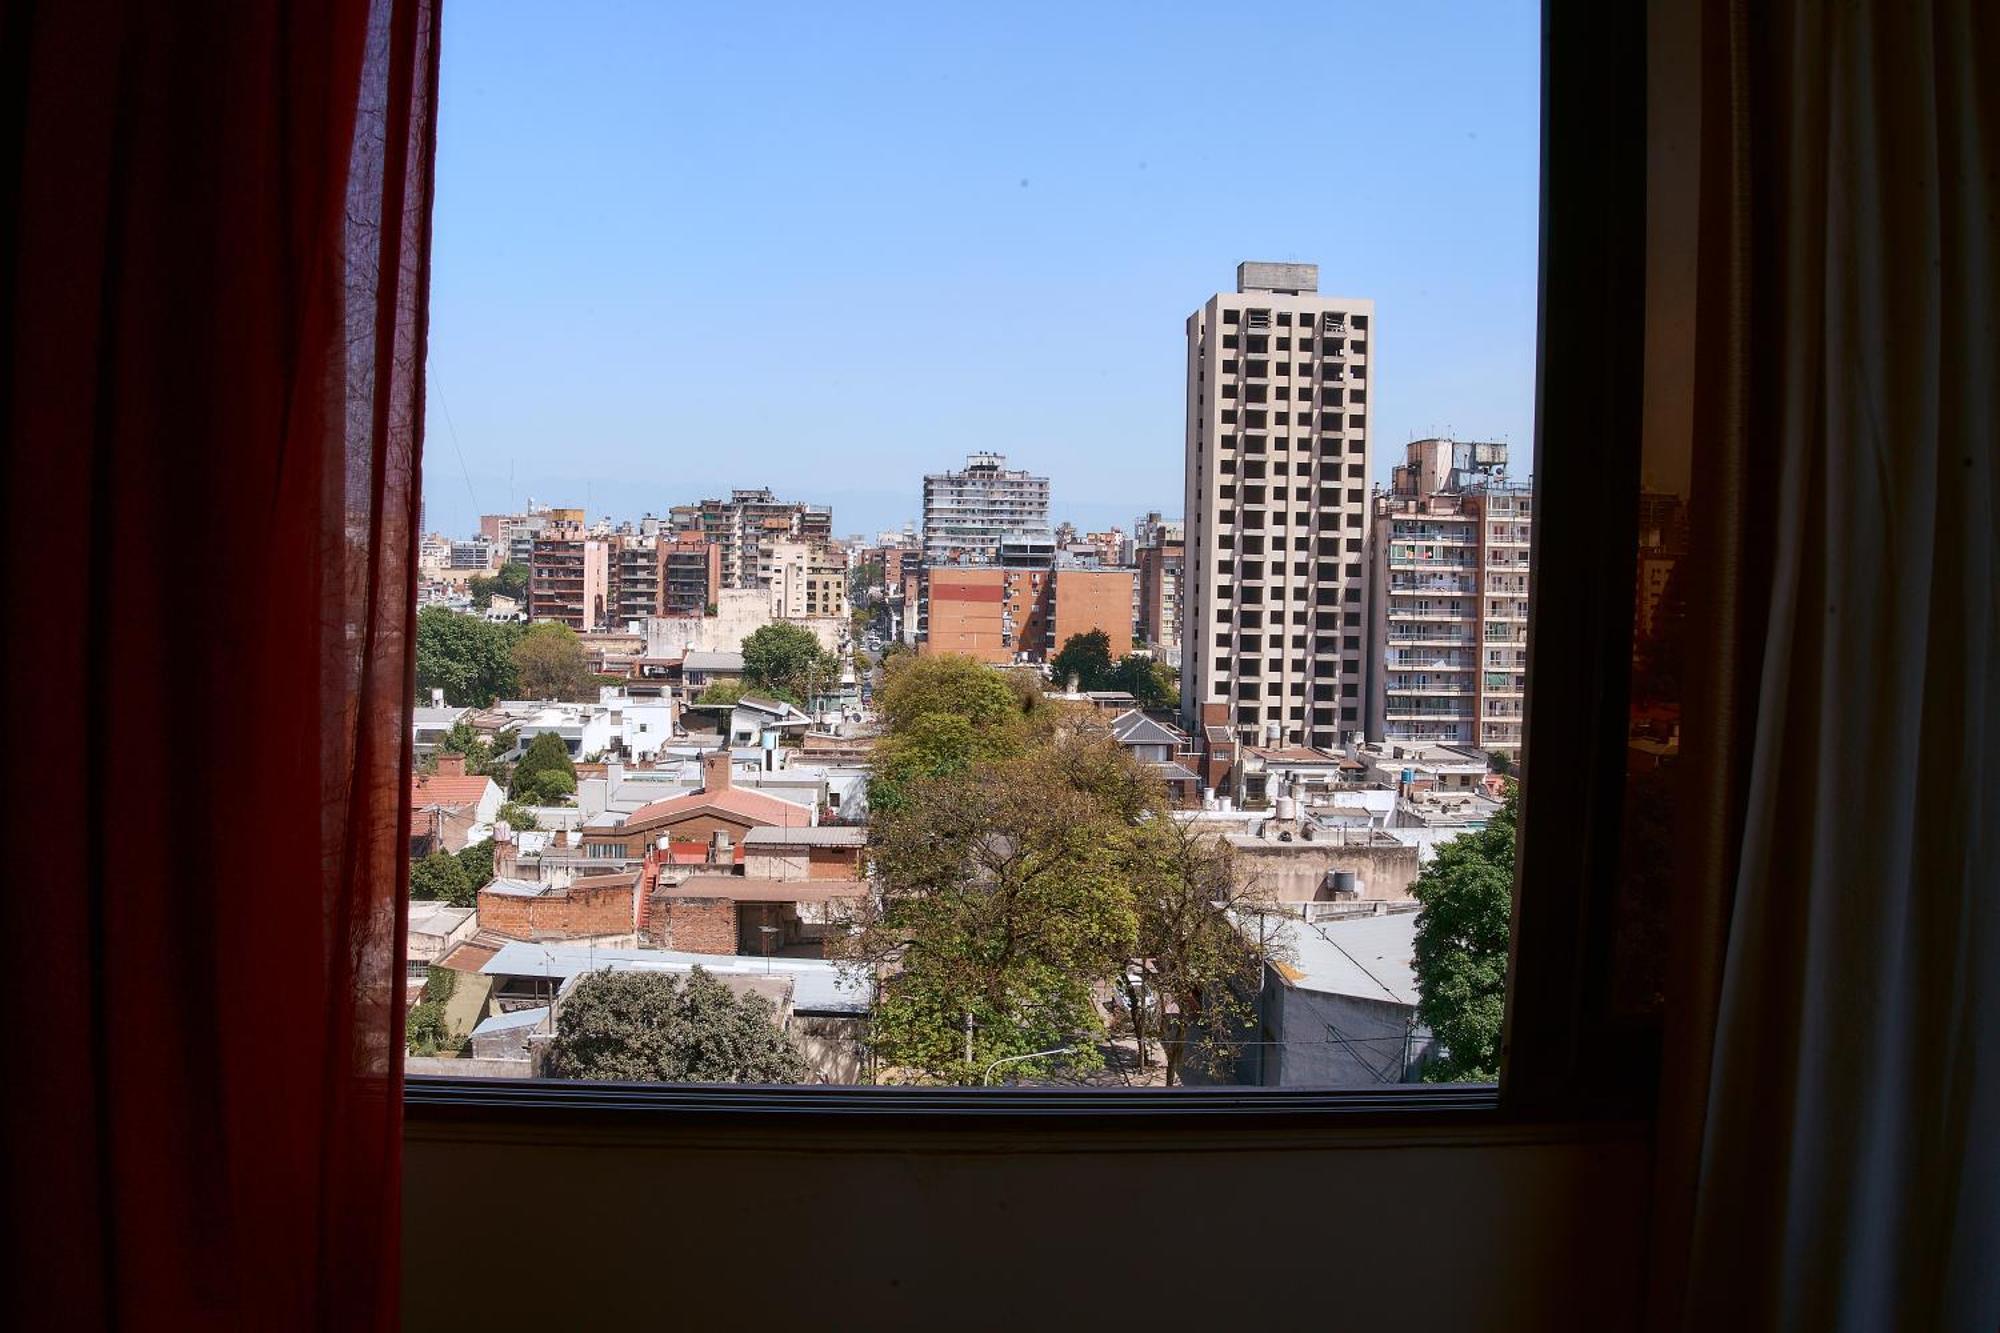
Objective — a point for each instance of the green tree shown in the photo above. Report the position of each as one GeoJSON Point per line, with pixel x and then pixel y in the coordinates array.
{"type": "Point", "coordinates": [786, 660]}
{"type": "Point", "coordinates": [1085, 658]}
{"type": "Point", "coordinates": [475, 861]}
{"type": "Point", "coordinates": [723, 692]}
{"type": "Point", "coordinates": [511, 580]}
{"type": "Point", "coordinates": [1151, 683]}
{"type": "Point", "coordinates": [517, 816]}
{"type": "Point", "coordinates": [546, 774]}
{"type": "Point", "coordinates": [1191, 954]}
{"type": "Point", "coordinates": [953, 683]}
{"type": "Point", "coordinates": [478, 751]}
{"type": "Point", "coordinates": [1004, 895]}
{"type": "Point", "coordinates": [1467, 892]}
{"type": "Point", "coordinates": [944, 713]}
{"type": "Point", "coordinates": [550, 663]}
{"type": "Point", "coordinates": [654, 1027]}
{"type": "Point", "coordinates": [425, 1031]}
{"type": "Point", "coordinates": [441, 877]}
{"type": "Point", "coordinates": [470, 659]}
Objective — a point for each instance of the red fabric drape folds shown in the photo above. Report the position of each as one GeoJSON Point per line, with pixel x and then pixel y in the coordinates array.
{"type": "Point", "coordinates": [212, 272]}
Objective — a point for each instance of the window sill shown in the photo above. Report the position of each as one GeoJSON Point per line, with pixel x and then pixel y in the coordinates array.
{"type": "Point", "coordinates": [956, 1119]}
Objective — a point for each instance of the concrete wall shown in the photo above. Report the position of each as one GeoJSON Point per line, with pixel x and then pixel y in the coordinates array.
{"type": "Point", "coordinates": [832, 1046]}
{"type": "Point", "coordinates": [971, 1226]}
{"type": "Point", "coordinates": [739, 613]}
{"type": "Point", "coordinates": [1335, 1041]}
{"type": "Point", "coordinates": [1295, 870]}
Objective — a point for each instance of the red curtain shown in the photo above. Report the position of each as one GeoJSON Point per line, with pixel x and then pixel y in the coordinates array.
{"type": "Point", "coordinates": [213, 284]}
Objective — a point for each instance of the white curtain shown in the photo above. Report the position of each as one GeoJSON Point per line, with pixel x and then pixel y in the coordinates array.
{"type": "Point", "coordinates": [1840, 1118]}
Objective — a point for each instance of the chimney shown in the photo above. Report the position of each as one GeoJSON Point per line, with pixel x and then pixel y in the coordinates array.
{"type": "Point", "coordinates": [715, 771]}
{"type": "Point", "coordinates": [451, 766]}
{"type": "Point", "coordinates": [720, 850]}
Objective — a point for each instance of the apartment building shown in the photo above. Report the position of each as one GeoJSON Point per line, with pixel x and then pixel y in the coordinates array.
{"type": "Point", "coordinates": [1023, 610]}
{"type": "Point", "coordinates": [1081, 600]}
{"type": "Point", "coordinates": [1159, 552]}
{"type": "Point", "coordinates": [638, 577]}
{"type": "Point", "coordinates": [744, 524]}
{"type": "Point", "coordinates": [968, 512]}
{"type": "Point", "coordinates": [1276, 471]}
{"type": "Point", "coordinates": [1448, 604]}
{"type": "Point", "coordinates": [569, 577]}
{"type": "Point", "coordinates": [968, 609]}
{"type": "Point", "coordinates": [805, 579]}
{"type": "Point", "coordinates": [692, 574]}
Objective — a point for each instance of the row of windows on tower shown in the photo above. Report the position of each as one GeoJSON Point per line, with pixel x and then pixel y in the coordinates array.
{"type": "Point", "coordinates": [1256, 369]}
{"type": "Point", "coordinates": [1260, 345]}
{"type": "Point", "coordinates": [1328, 319]}
{"type": "Point", "coordinates": [1255, 420]}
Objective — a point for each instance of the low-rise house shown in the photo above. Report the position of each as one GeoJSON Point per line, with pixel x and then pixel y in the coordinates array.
{"type": "Point", "coordinates": [719, 808]}
{"type": "Point", "coordinates": [1415, 767]}
{"type": "Point", "coordinates": [826, 852]}
{"type": "Point", "coordinates": [435, 930]}
{"type": "Point", "coordinates": [602, 908]}
{"type": "Point", "coordinates": [451, 809]}
{"type": "Point", "coordinates": [701, 669]}
{"type": "Point", "coordinates": [1338, 1006]}
{"type": "Point", "coordinates": [824, 1006]}
{"type": "Point", "coordinates": [764, 723]}
{"type": "Point", "coordinates": [430, 725]}
{"type": "Point", "coordinates": [723, 913]}
{"type": "Point", "coordinates": [1165, 750]}
{"type": "Point", "coordinates": [1308, 863]}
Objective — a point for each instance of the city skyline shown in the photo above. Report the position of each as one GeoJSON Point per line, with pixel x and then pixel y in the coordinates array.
{"type": "Point", "coordinates": [654, 279]}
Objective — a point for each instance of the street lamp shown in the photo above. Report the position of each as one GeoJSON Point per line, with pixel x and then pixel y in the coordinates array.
{"type": "Point", "coordinates": [986, 1078]}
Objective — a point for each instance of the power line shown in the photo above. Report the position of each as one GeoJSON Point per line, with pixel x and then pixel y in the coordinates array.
{"type": "Point", "coordinates": [465, 471]}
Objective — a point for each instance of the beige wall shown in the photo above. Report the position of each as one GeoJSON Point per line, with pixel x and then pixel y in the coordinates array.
{"type": "Point", "coordinates": [1293, 871]}
{"type": "Point", "coordinates": [971, 1226]}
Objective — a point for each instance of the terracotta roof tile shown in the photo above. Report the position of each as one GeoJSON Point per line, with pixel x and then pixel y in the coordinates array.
{"type": "Point", "coordinates": [438, 789]}
{"type": "Point", "coordinates": [751, 805]}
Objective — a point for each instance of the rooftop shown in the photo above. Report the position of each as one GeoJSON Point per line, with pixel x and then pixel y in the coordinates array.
{"type": "Point", "coordinates": [437, 789]}
{"type": "Point", "coordinates": [825, 835]}
{"type": "Point", "coordinates": [819, 986]}
{"type": "Point", "coordinates": [1368, 957]}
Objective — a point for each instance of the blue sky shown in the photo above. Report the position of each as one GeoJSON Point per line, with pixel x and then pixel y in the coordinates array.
{"type": "Point", "coordinates": [829, 248]}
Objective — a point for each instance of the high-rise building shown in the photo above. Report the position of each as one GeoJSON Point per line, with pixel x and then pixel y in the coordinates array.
{"type": "Point", "coordinates": [966, 513]}
{"type": "Point", "coordinates": [1015, 612]}
{"type": "Point", "coordinates": [638, 578]}
{"type": "Point", "coordinates": [569, 577]}
{"type": "Point", "coordinates": [1277, 463]}
{"type": "Point", "coordinates": [745, 523]}
{"type": "Point", "coordinates": [693, 574]}
{"type": "Point", "coordinates": [1448, 600]}
{"type": "Point", "coordinates": [1159, 550]}
{"type": "Point", "coordinates": [805, 580]}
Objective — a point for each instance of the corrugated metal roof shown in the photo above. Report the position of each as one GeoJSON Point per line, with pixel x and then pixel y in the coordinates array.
{"type": "Point", "coordinates": [520, 1018]}
{"type": "Point", "coordinates": [819, 986]}
{"type": "Point", "coordinates": [517, 888]}
{"type": "Point", "coordinates": [1365, 956]}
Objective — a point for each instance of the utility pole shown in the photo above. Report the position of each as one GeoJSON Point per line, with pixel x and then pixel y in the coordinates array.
{"type": "Point", "coordinates": [968, 1036]}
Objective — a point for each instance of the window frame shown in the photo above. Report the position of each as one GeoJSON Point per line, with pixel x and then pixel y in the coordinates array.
{"type": "Point", "coordinates": [1564, 1057]}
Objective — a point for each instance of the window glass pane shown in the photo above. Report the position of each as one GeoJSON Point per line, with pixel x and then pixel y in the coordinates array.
{"type": "Point", "coordinates": [900, 712]}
